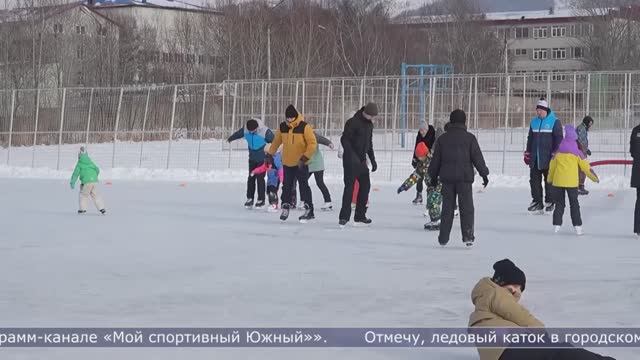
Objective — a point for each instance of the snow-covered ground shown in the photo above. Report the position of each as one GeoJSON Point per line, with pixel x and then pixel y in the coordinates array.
{"type": "Point", "coordinates": [188, 255]}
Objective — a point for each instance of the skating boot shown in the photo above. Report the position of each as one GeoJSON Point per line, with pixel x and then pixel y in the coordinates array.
{"type": "Point", "coordinates": [362, 222]}
{"type": "Point", "coordinates": [103, 211]}
{"type": "Point", "coordinates": [418, 199]}
{"type": "Point", "coordinates": [556, 229]}
{"type": "Point", "coordinates": [549, 207]}
{"type": "Point", "coordinates": [327, 206]}
{"type": "Point", "coordinates": [80, 212]}
{"type": "Point", "coordinates": [432, 226]}
{"type": "Point", "coordinates": [342, 223]}
{"type": "Point", "coordinates": [535, 207]}
{"type": "Point", "coordinates": [308, 215]}
{"type": "Point", "coordinates": [259, 204]}
{"type": "Point", "coordinates": [248, 204]}
{"type": "Point", "coordinates": [582, 190]}
{"type": "Point", "coordinates": [285, 212]}
{"type": "Point", "coordinates": [468, 242]}
{"type": "Point", "coordinates": [579, 230]}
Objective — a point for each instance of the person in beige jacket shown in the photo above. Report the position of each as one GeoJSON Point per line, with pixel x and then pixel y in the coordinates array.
{"type": "Point", "coordinates": [496, 306]}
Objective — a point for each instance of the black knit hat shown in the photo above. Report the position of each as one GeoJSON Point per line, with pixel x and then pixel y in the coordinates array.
{"type": "Point", "coordinates": [458, 117]}
{"type": "Point", "coordinates": [291, 112]}
{"type": "Point", "coordinates": [252, 124]}
{"type": "Point", "coordinates": [507, 273]}
{"type": "Point", "coordinates": [371, 109]}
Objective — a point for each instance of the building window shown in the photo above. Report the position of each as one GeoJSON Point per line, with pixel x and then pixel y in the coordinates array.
{"type": "Point", "coordinates": [556, 76]}
{"type": "Point", "coordinates": [80, 52]}
{"type": "Point", "coordinates": [578, 53]}
{"type": "Point", "coordinates": [540, 54]}
{"type": "Point", "coordinates": [522, 33]}
{"type": "Point", "coordinates": [102, 31]}
{"type": "Point", "coordinates": [558, 31]}
{"type": "Point", "coordinates": [57, 29]}
{"type": "Point", "coordinates": [80, 78]}
{"type": "Point", "coordinates": [521, 52]}
{"type": "Point", "coordinates": [81, 29]}
{"type": "Point", "coordinates": [540, 75]}
{"type": "Point", "coordinates": [540, 32]}
{"type": "Point", "coordinates": [559, 53]}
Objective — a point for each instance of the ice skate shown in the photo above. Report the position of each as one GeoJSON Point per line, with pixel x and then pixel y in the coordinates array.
{"type": "Point", "coordinates": [579, 230]}
{"type": "Point", "coordinates": [80, 212]}
{"type": "Point", "coordinates": [307, 216]}
{"type": "Point", "coordinates": [272, 208]}
{"type": "Point", "coordinates": [362, 222]}
{"type": "Point", "coordinates": [535, 207]}
{"type": "Point", "coordinates": [285, 212]}
{"type": "Point", "coordinates": [432, 226]}
{"type": "Point", "coordinates": [248, 204]}
{"type": "Point", "coordinates": [103, 211]}
{"type": "Point", "coordinates": [582, 191]}
{"type": "Point", "coordinates": [259, 204]}
{"type": "Point", "coordinates": [556, 229]}
{"type": "Point", "coordinates": [468, 242]}
{"type": "Point", "coordinates": [417, 200]}
{"type": "Point", "coordinates": [327, 207]}
{"type": "Point", "coordinates": [342, 223]}
{"type": "Point", "coordinates": [548, 208]}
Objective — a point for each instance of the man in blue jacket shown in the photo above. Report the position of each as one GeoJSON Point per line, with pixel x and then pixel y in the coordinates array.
{"type": "Point", "coordinates": [257, 136]}
{"type": "Point", "coordinates": [545, 134]}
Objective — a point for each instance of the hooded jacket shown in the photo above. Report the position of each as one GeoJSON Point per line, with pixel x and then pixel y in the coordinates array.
{"type": "Point", "coordinates": [544, 137]}
{"type": "Point", "coordinates": [563, 168]}
{"type": "Point", "coordinates": [496, 307]}
{"type": "Point", "coordinates": [256, 140]}
{"type": "Point", "coordinates": [297, 139]}
{"type": "Point", "coordinates": [86, 170]}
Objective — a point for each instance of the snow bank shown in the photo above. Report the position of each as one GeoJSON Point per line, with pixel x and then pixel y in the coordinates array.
{"type": "Point", "coordinates": [610, 182]}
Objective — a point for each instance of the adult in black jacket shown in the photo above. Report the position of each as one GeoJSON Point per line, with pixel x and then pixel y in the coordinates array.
{"type": "Point", "coordinates": [357, 142]}
{"type": "Point", "coordinates": [426, 135]}
{"type": "Point", "coordinates": [455, 155]}
{"type": "Point", "coordinates": [634, 149]}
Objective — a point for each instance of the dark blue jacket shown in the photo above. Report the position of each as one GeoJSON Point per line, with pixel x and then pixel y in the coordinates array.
{"type": "Point", "coordinates": [544, 138]}
{"type": "Point", "coordinates": [256, 140]}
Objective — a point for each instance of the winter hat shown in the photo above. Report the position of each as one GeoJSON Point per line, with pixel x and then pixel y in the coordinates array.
{"type": "Point", "coordinates": [252, 124]}
{"type": "Point", "coordinates": [458, 117]}
{"type": "Point", "coordinates": [424, 125]}
{"type": "Point", "coordinates": [422, 150]}
{"type": "Point", "coordinates": [371, 109]}
{"type": "Point", "coordinates": [507, 273]}
{"type": "Point", "coordinates": [82, 151]}
{"type": "Point", "coordinates": [291, 112]}
{"type": "Point", "coordinates": [543, 104]}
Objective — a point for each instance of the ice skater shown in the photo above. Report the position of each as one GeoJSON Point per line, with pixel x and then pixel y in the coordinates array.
{"type": "Point", "coordinates": [299, 144]}
{"type": "Point", "coordinates": [275, 176]}
{"type": "Point", "coordinates": [496, 302]}
{"type": "Point", "coordinates": [545, 134]}
{"type": "Point", "coordinates": [357, 141]}
{"type": "Point", "coordinates": [634, 150]}
{"type": "Point", "coordinates": [434, 194]}
{"type": "Point", "coordinates": [583, 142]}
{"type": "Point", "coordinates": [316, 168]}
{"type": "Point", "coordinates": [564, 170]}
{"type": "Point", "coordinates": [455, 154]}
{"type": "Point", "coordinates": [88, 173]}
{"type": "Point", "coordinates": [257, 136]}
{"type": "Point", "coordinates": [426, 135]}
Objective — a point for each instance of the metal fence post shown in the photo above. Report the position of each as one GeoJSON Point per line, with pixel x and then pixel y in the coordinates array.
{"type": "Point", "coordinates": [35, 130]}
{"type": "Point", "coordinates": [326, 122]}
{"type": "Point", "coordinates": [524, 108]}
{"type": "Point", "coordinates": [86, 140]}
{"type": "Point", "coordinates": [233, 117]}
{"type": "Point", "coordinates": [575, 98]}
{"type": "Point", "coordinates": [295, 102]}
{"type": "Point", "coordinates": [263, 105]}
{"type": "Point", "coordinates": [115, 129]}
{"type": "Point", "coordinates": [224, 91]}
{"type": "Point", "coordinates": [386, 115]}
{"type": "Point", "coordinates": [588, 102]}
{"type": "Point", "coordinates": [506, 122]}
{"type": "Point", "coordinates": [475, 106]}
{"type": "Point", "coordinates": [304, 89]}
{"type": "Point", "coordinates": [361, 93]}
{"type": "Point", "coordinates": [204, 105]}
{"type": "Point", "coordinates": [173, 117]}
{"type": "Point", "coordinates": [344, 114]}
{"type": "Point", "coordinates": [13, 110]}
{"type": "Point", "coordinates": [395, 116]}
{"type": "Point", "coordinates": [62, 109]}
{"type": "Point", "coordinates": [144, 124]}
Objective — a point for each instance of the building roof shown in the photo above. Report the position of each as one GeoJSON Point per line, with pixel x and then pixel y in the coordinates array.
{"type": "Point", "coordinates": [190, 5]}
{"type": "Point", "coordinates": [16, 15]}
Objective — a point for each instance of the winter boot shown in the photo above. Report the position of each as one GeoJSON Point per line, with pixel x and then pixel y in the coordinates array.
{"type": "Point", "coordinates": [582, 190]}
{"type": "Point", "coordinates": [249, 203]}
{"type": "Point", "coordinates": [418, 199]}
{"type": "Point", "coordinates": [549, 207]}
{"type": "Point", "coordinates": [535, 207]}
{"type": "Point", "coordinates": [103, 211]}
{"type": "Point", "coordinates": [432, 225]}
{"type": "Point", "coordinates": [362, 222]}
{"type": "Point", "coordinates": [259, 204]}
{"type": "Point", "coordinates": [327, 206]}
{"type": "Point", "coordinates": [285, 212]}
{"type": "Point", "coordinates": [579, 230]}
{"type": "Point", "coordinates": [308, 215]}
{"type": "Point", "coordinates": [82, 212]}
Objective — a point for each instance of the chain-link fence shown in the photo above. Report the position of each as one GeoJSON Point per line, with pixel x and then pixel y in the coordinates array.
{"type": "Point", "coordinates": [185, 126]}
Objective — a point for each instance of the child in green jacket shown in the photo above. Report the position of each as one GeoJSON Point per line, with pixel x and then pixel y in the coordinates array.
{"type": "Point", "coordinates": [88, 173]}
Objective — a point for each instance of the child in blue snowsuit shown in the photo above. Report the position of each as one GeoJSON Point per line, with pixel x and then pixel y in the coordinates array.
{"type": "Point", "coordinates": [275, 175]}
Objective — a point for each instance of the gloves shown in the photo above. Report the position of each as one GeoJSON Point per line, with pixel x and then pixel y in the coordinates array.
{"type": "Point", "coordinates": [485, 181]}
{"type": "Point", "coordinates": [374, 165]}
{"type": "Point", "coordinates": [303, 161]}
{"type": "Point", "coordinates": [414, 163]}
{"type": "Point", "coordinates": [527, 157]}
{"type": "Point", "coordinates": [73, 186]}
{"type": "Point", "coordinates": [433, 182]}
{"type": "Point", "coordinates": [588, 152]}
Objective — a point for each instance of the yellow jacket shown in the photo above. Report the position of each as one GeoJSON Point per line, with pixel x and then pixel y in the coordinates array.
{"type": "Point", "coordinates": [496, 307]}
{"type": "Point", "coordinates": [297, 140]}
{"type": "Point", "coordinates": [564, 170]}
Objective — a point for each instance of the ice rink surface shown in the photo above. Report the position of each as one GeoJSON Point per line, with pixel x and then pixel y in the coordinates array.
{"type": "Point", "coordinates": [191, 256]}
